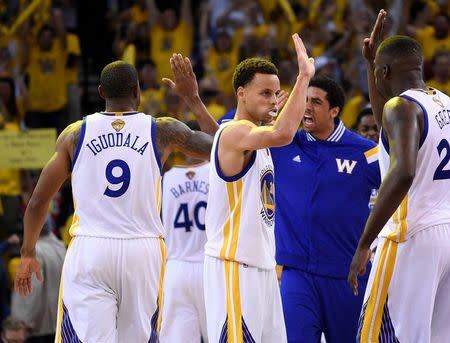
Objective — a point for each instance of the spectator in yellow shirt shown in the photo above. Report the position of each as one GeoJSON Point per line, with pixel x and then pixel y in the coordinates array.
{"type": "Point", "coordinates": [169, 33]}
{"type": "Point", "coordinates": [46, 69]}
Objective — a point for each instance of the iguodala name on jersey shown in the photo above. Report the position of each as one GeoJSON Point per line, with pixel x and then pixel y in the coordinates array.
{"type": "Point", "coordinates": [117, 139]}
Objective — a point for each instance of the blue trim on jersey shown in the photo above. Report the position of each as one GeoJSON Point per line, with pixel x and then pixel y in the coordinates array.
{"type": "Point", "coordinates": [115, 115]}
{"type": "Point", "coordinates": [80, 142]}
{"type": "Point", "coordinates": [68, 333]}
{"type": "Point", "coordinates": [384, 140]}
{"type": "Point", "coordinates": [425, 119]}
{"type": "Point", "coordinates": [155, 150]}
{"type": "Point", "coordinates": [238, 175]}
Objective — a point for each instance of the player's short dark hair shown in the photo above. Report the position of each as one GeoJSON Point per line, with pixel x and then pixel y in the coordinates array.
{"type": "Point", "coordinates": [335, 93]}
{"type": "Point", "coordinates": [398, 46]}
{"type": "Point", "coordinates": [118, 79]}
{"type": "Point", "coordinates": [246, 70]}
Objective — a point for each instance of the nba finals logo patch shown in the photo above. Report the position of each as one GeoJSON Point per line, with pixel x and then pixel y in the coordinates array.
{"type": "Point", "coordinates": [190, 175]}
{"type": "Point", "coordinates": [118, 124]}
{"type": "Point", "coordinates": [438, 101]}
{"type": "Point", "coordinates": [268, 196]}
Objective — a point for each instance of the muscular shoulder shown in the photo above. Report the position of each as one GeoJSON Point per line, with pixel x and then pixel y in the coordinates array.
{"type": "Point", "coordinates": [399, 107]}
{"type": "Point", "coordinates": [70, 137]}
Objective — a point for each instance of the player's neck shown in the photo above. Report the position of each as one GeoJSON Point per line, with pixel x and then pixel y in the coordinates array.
{"type": "Point", "coordinates": [404, 84]}
{"type": "Point", "coordinates": [325, 133]}
{"type": "Point", "coordinates": [120, 106]}
{"type": "Point", "coordinates": [243, 115]}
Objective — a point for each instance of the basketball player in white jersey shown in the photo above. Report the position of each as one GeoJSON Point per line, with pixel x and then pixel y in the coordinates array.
{"type": "Point", "coordinates": [184, 199]}
{"type": "Point", "coordinates": [407, 296]}
{"type": "Point", "coordinates": [112, 276]}
{"type": "Point", "coordinates": [242, 296]}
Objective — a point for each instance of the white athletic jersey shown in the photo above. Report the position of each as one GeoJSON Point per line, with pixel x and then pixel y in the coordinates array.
{"type": "Point", "coordinates": [241, 210]}
{"type": "Point", "coordinates": [185, 194]}
{"type": "Point", "coordinates": [428, 200]}
{"type": "Point", "coordinates": [116, 177]}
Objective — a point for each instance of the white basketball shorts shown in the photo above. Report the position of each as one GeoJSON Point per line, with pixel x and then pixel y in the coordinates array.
{"type": "Point", "coordinates": [243, 303]}
{"type": "Point", "coordinates": [184, 304]}
{"type": "Point", "coordinates": [111, 290]}
{"type": "Point", "coordinates": [408, 293]}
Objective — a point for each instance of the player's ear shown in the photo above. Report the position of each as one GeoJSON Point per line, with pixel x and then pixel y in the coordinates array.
{"type": "Point", "coordinates": [240, 92]}
{"type": "Point", "coordinates": [335, 111]}
{"type": "Point", "coordinates": [386, 71]}
{"type": "Point", "coordinates": [101, 93]}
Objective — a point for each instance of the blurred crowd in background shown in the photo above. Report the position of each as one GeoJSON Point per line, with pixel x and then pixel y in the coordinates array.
{"type": "Point", "coordinates": [51, 53]}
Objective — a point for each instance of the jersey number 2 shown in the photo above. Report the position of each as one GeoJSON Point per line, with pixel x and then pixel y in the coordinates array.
{"type": "Point", "coordinates": [183, 220]}
{"type": "Point", "coordinates": [123, 179]}
{"type": "Point", "coordinates": [441, 173]}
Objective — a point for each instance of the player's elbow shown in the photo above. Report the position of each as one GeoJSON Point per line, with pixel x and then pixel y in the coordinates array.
{"type": "Point", "coordinates": [283, 137]}
{"type": "Point", "coordinates": [406, 176]}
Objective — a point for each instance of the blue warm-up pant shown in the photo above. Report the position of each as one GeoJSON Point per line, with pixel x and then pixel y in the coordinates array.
{"type": "Point", "coordinates": [313, 304]}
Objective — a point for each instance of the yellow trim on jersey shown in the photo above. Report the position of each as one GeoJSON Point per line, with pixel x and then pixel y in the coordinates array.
{"type": "Point", "coordinates": [230, 323]}
{"type": "Point", "coordinates": [118, 114]}
{"type": "Point", "coordinates": [403, 214]}
{"type": "Point", "coordinates": [237, 303]}
{"type": "Point", "coordinates": [399, 219]}
{"type": "Point", "coordinates": [162, 246]}
{"type": "Point", "coordinates": [158, 194]}
{"type": "Point", "coordinates": [234, 310]}
{"type": "Point", "coordinates": [59, 318]}
{"type": "Point", "coordinates": [231, 232]}
{"type": "Point", "coordinates": [372, 154]}
{"type": "Point", "coordinates": [378, 294]}
{"type": "Point", "coordinates": [190, 165]}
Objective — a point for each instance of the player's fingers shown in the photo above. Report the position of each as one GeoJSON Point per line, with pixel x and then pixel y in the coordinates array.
{"type": "Point", "coordinates": [176, 64]}
{"type": "Point", "coordinates": [168, 82]}
{"type": "Point", "coordinates": [189, 65]}
{"type": "Point", "coordinates": [379, 22]}
{"type": "Point", "coordinates": [183, 66]}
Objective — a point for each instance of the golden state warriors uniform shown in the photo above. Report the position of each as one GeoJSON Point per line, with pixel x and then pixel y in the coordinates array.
{"type": "Point", "coordinates": [407, 297]}
{"type": "Point", "coordinates": [242, 295]}
{"type": "Point", "coordinates": [185, 196]}
{"type": "Point", "coordinates": [113, 267]}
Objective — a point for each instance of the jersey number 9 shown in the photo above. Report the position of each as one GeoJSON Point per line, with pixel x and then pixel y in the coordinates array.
{"type": "Point", "coordinates": [123, 179]}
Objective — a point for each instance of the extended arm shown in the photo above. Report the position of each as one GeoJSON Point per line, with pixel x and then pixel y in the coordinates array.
{"type": "Point", "coordinates": [52, 177]}
{"type": "Point", "coordinates": [403, 124]}
{"type": "Point", "coordinates": [172, 134]}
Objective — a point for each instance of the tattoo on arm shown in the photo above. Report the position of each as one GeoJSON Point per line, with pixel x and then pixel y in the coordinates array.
{"type": "Point", "coordinates": [171, 134]}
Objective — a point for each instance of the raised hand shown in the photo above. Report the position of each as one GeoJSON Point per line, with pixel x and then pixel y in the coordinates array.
{"type": "Point", "coordinates": [370, 44]}
{"type": "Point", "coordinates": [184, 83]}
{"type": "Point", "coordinates": [282, 98]}
{"type": "Point", "coordinates": [305, 63]}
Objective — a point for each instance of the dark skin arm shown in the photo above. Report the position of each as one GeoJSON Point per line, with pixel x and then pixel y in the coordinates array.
{"type": "Point", "coordinates": [172, 134]}
{"type": "Point", "coordinates": [52, 177]}
{"type": "Point", "coordinates": [370, 47]}
{"type": "Point", "coordinates": [403, 124]}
